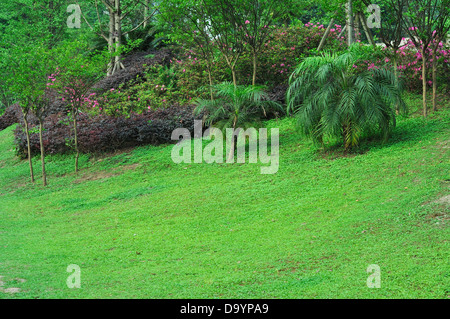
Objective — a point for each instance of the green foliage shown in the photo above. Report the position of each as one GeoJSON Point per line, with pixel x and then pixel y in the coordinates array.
{"type": "Point", "coordinates": [157, 89]}
{"type": "Point", "coordinates": [30, 67]}
{"type": "Point", "coordinates": [241, 106]}
{"type": "Point", "coordinates": [78, 70]}
{"type": "Point", "coordinates": [330, 97]}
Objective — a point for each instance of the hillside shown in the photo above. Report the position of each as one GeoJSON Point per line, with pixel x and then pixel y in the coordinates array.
{"type": "Point", "coordinates": [141, 226]}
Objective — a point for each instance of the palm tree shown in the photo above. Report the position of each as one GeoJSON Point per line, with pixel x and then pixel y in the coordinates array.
{"type": "Point", "coordinates": [237, 107]}
{"type": "Point", "coordinates": [331, 97]}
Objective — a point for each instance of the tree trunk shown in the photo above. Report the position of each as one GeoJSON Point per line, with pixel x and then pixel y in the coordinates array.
{"type": "Point", "coordinates": [44, 175]}
{"type": "Point", "coordinates": [327, 32]}
{"type": "Point", "coordinates": [255, 65]}
{"type": "Point", "coordinates": [350, 39]}
{"type": "Point", "coordinates": [118, 35]}
{"type": "Point", "coordinates": [434, 79]}
{"type": "Point", "coordinates": [366, 29]}
{"type": "Point", "coordinates": [146, 5]}
{"type": "Point", "coordinates": [75, 133]}
{"type": "Point", "coordinates": [424, 83]}
{"type": "Point", "coordinates": [356, 25]}
{"type": "Point", "coordinates": [345, 133]}
{"type": "Point", "coordinates": [27, 132]}
{"type": "Point", "coordinates": [210, 84]}
{"type": "Point", "coordinates": [112, 27]}
{"type": "Point", "coordinates": [233, 72]}
{"type": "Point", "coordinates": [231, 154]}
{"type": "Point", "coordinates": [396, 82]}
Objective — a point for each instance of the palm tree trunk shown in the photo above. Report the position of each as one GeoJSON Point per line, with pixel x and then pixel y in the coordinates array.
{"type": "Point", "coordinates": [345, 137]}
{"type": "Point", "coordinates": [27, 133]}
{"type": "Point", "coordinates": [44, 175]}
{"type": "Point", "coordinates": [231, 154]}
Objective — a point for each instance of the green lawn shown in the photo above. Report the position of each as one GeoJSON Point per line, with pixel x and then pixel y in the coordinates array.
{"type": "Point", "coordinates": [140, 226]}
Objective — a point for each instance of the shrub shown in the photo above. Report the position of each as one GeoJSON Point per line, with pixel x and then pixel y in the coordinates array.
{"type": "Point", "coordinates": [103, 133]}
{"type": "Point", "coordinates": [331, 98]}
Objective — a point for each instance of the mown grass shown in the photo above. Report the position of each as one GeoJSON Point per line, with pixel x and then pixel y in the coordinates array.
{"type": "Point", "coordinates": [140, 226]}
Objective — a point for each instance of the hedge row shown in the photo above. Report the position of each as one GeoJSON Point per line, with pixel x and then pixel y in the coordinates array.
{"type": "Point", "coordinates": [103, 133]}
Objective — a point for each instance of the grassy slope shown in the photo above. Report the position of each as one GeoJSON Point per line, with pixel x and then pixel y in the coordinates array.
{"type": "Point", "coordinates": [140, 226]}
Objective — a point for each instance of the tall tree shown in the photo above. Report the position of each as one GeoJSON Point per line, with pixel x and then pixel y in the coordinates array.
{"type": "Point", "coordinates": [392, 30]}
{"type": "Point", "coordinates": [118, 11]}
{"type": "Point", "coordinates": [76, 74]}
{"type": "Point", "coordinates": [259, 16]}
{"type": "Point", "coordinates": [31, 67]}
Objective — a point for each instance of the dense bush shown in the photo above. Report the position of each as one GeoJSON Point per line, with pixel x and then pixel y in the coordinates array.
{"type": "Point", "coordinates": [409, 65]}
{"type": "Point", "coordinates": [184, 77]}
{"type": "Point", "coordinates": [13, 114]}
{"type": "Point", "coordinates": [10, 116]}
{"type": "Point", "coordinates": [103, 133]}
{"type": "Point", "coordinates": [285, 48]}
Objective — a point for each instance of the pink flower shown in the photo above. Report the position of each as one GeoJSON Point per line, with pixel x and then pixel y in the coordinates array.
{"type": "Point", "coordinates": [247, 22]}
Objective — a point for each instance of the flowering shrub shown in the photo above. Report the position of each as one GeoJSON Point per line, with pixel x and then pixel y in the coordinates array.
{"type": "Point", "coordinates": [284, 50]}
{"type": "Point", "coordinates": [156, 89]}
{"type": "Point", "coordinates": [410, 65]}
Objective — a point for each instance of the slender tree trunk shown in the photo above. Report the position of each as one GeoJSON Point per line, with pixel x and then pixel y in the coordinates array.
{"type": "Point", "coordinates": [255, 65]}
{"type": "Point", "coordinates": [231, 154]}
{"type": "Point", "coordinates": [27, 133]}
{"type": "Point", "coordinates": [434, 79]}
{"type": "Point", "coordinates": [146, 5]}
{"type": "Point", "coordinates": [210, 79]}
{"type": "Point", "coordinates": [233, 72]}
{"type": "Point", "coordinates": [342, 31]}
{"type": "Point", "coordinates": [75, 133]}
{"type": "Point", "coordinates": [327, 32]}
{"type": "Point", "coordinates": [350, 21]}
{"type": "Point", "coordinates": [112, 27]}
{"type": "Point", "coordinates": [44, 175]}
{"type": "Point", "coordinates": [118, 35]}
{"type": "Point", "coordinates": [366, 29]}
{"type": "Point", "coordinates": [424, 83]}
{"type": "Point", "coordinates": [396, 81]}
{"type": "Point", "coordinates": [356, 24]}
{"type": "Point", "coordinates": [210, 84]}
